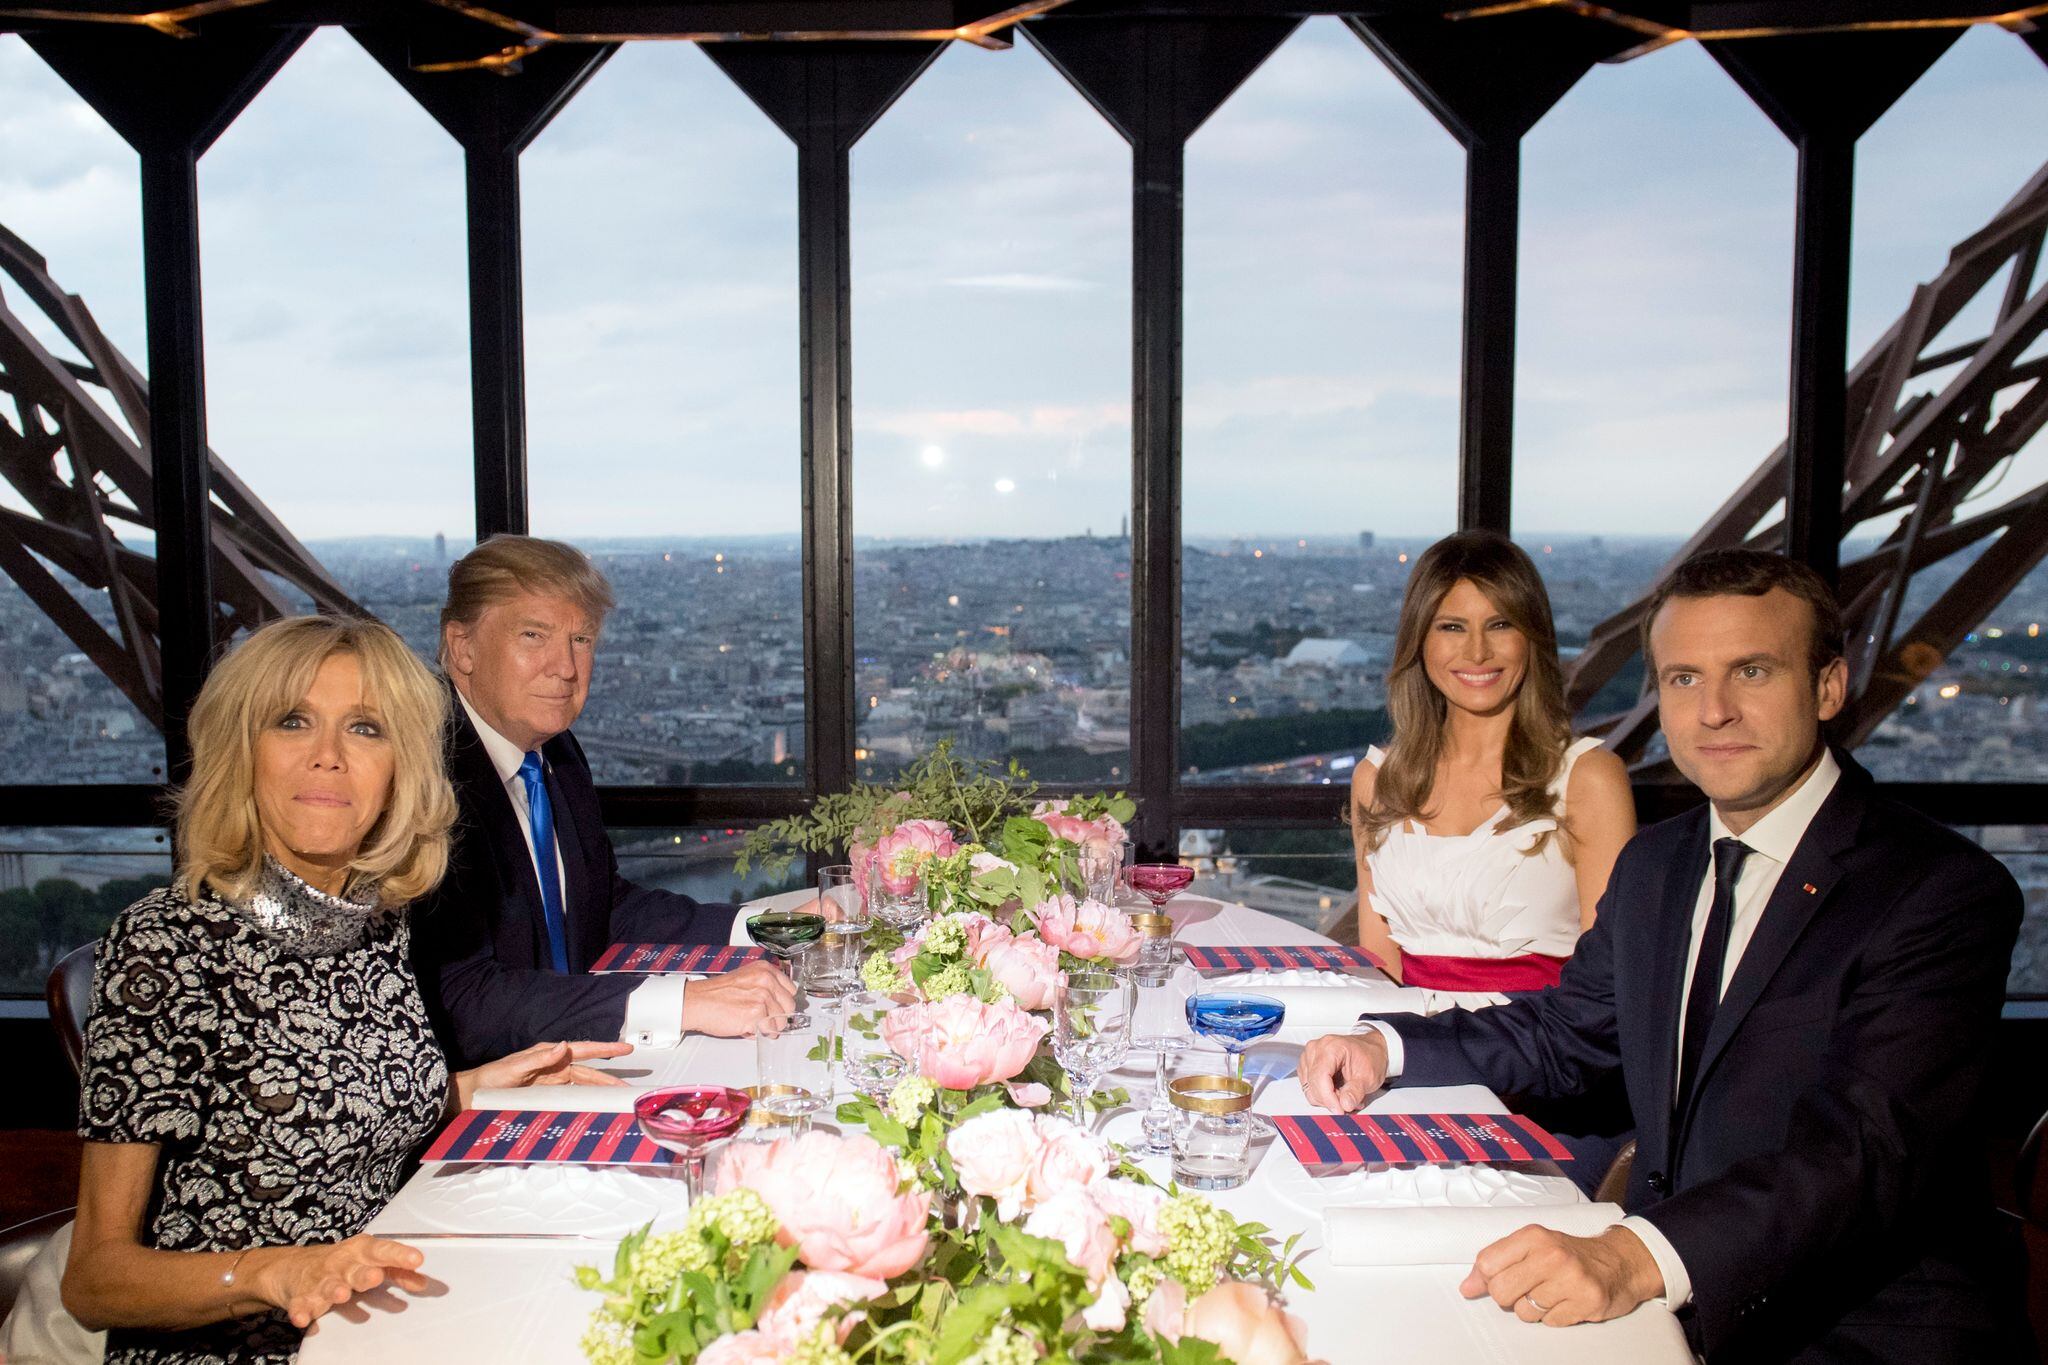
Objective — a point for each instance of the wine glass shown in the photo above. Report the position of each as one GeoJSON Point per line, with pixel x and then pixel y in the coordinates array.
{"type": "Point", "coordinates": [1158, 882]}
{"type": "Point", "coordinates": [785, 933]}
{"type": "Point", "coordinates": [901, 906]}
{"type": "Point", "coordinates": [1160, 1026]}
{"type": "Point", "coordinates": [687, 1120]}
{"type": "Point", "coordinates": [1091, 1030]}
{"type": "Point", "coordinates": [867, 1061]}
{"type": "Point", "coordinates": [1236, 1020]}
{"type": "Point", "coordinates": [1099, 862]}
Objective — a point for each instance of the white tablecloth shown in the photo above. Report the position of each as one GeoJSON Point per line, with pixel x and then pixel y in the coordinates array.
{"type": "Point", "coordinates": [511, 1300]}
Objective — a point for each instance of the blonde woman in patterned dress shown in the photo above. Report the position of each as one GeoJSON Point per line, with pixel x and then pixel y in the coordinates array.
{"type": "Point", "coordinates": [258, 1066]}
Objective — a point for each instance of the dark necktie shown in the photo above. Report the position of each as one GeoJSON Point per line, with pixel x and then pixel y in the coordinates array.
{"type": "Point", "coordinates": [540, 816]}
{"type": "Point", "coordinates": [1705, 995]}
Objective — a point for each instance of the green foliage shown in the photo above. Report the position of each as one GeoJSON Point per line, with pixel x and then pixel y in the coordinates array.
{"type": "Point", "coordinates": [1270, 739]}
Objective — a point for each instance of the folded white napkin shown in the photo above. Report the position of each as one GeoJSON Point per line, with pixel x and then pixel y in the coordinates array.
{"type": "Point", "coordinates": [567, 1099]}
{"type": "Point", "coordinates": [1447, 1236]}
{"type": "Point", "coordinates": [1326, 1002]}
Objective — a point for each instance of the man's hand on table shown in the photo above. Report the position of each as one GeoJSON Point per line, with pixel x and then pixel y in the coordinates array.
{"type": "Point", "coordinates": [1339, 1070]}
{"type": "Point", "coordinates": [1544, 1276]}
{"type": "Point", "coordinates": [727, 1006]}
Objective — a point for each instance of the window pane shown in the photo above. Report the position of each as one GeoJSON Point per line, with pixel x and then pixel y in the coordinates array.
{"type": "Point", "coordinates": [2024, 851]}
{"type": "Point", "coordinates": [60, 888]}
{"type": "Point", "coordinates": [1305, 876]}
{"type": "Point", "coordinates": [1956, 148]}
{"type": "Point", "coordinates": [662, 354]}
{"type": "Point", "coordinates": [992, 476]}
{"type": "Point", "coordinates": [1324, 278]}
{"type": "Point", "coordinates": [696, 862]}
{"type": "Point", "coordinates": [68, 191]}
{"type": "Point", "coordinates": [1652, 338]}
{"type": "Point", "coordinates": [337, 322]}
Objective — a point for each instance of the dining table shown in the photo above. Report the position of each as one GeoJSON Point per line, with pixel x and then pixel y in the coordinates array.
{"type": "Point", "coordinates": [501, 1240]}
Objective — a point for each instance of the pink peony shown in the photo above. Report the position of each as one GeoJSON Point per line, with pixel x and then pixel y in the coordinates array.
{"type": "Point", "coordinates": [1136, 1204]}
{"type": "Point", "coordinates": [1025, 965]}
{"type": "Point", "coordinates": [1241, 1319]}
{"type": "Point", "coordinates": [1104, 829]}
{"type": "Point", "coordinates": [753, 1347]}
{"type": "Point", "coordinates": [960, 1042]}
{"type": "Point", "coordinates": [1079, 1225]}
{"type": "Point", "coordinates": [1028, 1094]}
{"type": "Point", "coordinates": [802, 1298]}
{"type": "Point", "coordinates": [1069, 1157]}
{"type": "Point", "coordinates": [985, 861]}
{"type": "Point", "coordinates": [836, 1199]}
{"type": "Point", "coordinates": [993, 1156]}
{"type": "Point", "coordinates": [904, 851]}
{"type": "Point", "coordinates": [1087, 929]}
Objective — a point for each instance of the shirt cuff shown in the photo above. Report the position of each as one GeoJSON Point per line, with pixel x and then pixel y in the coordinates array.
{"type": "Point", "coordinates": [1396, 1054]}
{"type": "Point", "coordinates": [1677, 1284]}
{"type": "Point", "coordinates": [654, 1013]}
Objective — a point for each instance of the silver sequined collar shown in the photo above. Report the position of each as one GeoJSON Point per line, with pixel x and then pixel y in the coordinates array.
{"type": "Point", "coordinates": [304, 921]}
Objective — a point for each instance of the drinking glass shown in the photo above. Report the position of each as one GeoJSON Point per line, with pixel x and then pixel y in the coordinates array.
{"type": "Point", "coordinates": [902, 909]}
{"type": "Point", "coordinates": [1212, 1133]}
{"type": "Point", "coordinates": [1091, 1030]}
{"type": "Point", "coordinates": [1159, 882]}
{"type": "Point", "coordinates": [793, 1068]}
{"type": "Point", "coordinates": [1236, 1020]}
{"type": "Point", "coordinates": [830, 968]}
{"type": "Point", "coordinates": [687, 1120]}
{"type": "Point", "coordinates": [1159, 1026]}
{"type": "Point", "coordinates": [1099, 864]}
{"type": "Point", "coordinates": [867, 1061]}
{"type": "Point", "coordinates": [837, 887]}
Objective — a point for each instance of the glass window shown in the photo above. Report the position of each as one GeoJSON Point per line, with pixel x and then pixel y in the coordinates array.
{"type": "Point", "coordinates": [1306, 876]}
{"type": "Point", "coordinates": [992, 472]}
{"type": "Point", "coordinates": [60, 888]}
{"type": "Point", "coordinates": [337, 326]}
{"type": "Point", "coordinates": [2024, 851]}
{"type": "Point", "coordinates": [662, 355]}
{"type": "Point", "coordinates": [1956, 148]}
{"type": "Point", "coordinates": [1324, 285]}
{"type": "Point", "coordinates": [70, 193]}
{"type": "Point", "coordinates": [1656, 266]}
{"type": "Point", "coordinates": [697, 862]}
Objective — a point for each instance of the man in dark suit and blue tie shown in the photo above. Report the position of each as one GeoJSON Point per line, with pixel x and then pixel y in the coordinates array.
{"type": "Point", "coordinates": [1799, 986]}
{"type": "Point", "coordinates": [533, 894]}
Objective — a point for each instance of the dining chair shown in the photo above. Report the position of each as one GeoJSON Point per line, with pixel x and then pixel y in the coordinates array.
{"type": "Point", "coordinates": [69, 993]}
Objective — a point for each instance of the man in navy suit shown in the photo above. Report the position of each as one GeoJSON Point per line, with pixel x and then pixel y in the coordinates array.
{"type": "Point", "coordinates": [533, 894]}
{"type": "Point", "coordinates": [1799, 985]}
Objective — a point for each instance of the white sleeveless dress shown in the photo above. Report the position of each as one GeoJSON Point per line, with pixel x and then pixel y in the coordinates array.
{"type": "Point", "coordinates": [1479, 895]}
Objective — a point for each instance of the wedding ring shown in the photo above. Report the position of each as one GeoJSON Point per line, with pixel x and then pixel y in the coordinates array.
{"type": "Point", "coordinates": [1530, 1299]}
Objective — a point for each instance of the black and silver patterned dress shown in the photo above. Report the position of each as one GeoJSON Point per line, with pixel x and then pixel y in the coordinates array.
{"type": "Point", "coordinates": [278, 1053]}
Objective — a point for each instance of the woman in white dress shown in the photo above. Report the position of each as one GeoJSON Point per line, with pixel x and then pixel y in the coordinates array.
{"type": "Point", "coordinates": [1484, 832]}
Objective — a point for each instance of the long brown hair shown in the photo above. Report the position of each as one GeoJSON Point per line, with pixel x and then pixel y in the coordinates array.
{"type": "Point", "coordinates": [1540, 726]}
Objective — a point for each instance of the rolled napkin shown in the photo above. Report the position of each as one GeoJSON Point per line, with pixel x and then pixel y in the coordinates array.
{"type": "Point", "coordinates": [1447, 1236]}
{"type": "Point", "coordinates": [1325, 1002]}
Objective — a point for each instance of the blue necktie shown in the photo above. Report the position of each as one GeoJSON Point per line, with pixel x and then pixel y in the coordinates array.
{"type": "Point", "coordinates": [541, 816]}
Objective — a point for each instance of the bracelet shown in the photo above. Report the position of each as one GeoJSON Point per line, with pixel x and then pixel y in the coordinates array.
{"type": "Point", "coordinates": [228, 1276]}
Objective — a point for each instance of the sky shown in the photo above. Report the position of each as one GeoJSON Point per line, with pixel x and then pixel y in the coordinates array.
{"type": "Point", "coordinates": [991, 292]}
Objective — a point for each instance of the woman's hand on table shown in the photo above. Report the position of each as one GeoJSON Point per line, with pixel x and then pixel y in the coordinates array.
{"type": "Point", "coordinates": [305, 1282]}
{"type": "Point", "coordinates": [1339, 1070]}
{"type": "Point", "coordinates": [541, 1064]}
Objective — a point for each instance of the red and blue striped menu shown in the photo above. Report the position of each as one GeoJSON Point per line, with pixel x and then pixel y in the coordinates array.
{"type": "Point", "coordinates": [707, 958]}
{"type": "Point", "coordinates": [1324, 957]}
{"type": "Point", "coordinates": [547, 1135]}
{"type": "Point", "coordinates": [1350, 1140]}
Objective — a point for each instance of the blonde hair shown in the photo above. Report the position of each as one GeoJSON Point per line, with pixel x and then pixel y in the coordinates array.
{"type": "Point", "coordinates": [507, 565]}
{"type": "Point", "coordinates": [220, 833]}
{"type": "Point", "coordinates": [1541, 726]}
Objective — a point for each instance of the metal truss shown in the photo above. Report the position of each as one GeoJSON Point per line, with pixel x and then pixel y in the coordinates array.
{"type": "Point", "coordinates": [1926, 461]}
{"type": "Point", "coordinates": [74, 445]}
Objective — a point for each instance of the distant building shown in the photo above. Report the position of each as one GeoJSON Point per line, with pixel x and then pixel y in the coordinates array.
{"type": "Point", "coordinates": [1365, 540]}
{"type": "Point", "coordinates": [1328, 654]}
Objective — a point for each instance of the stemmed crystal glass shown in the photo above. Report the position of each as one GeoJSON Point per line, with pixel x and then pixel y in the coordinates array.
{"type": "Point", "coordinates": [1236, 1020]}
{"type": "Point", "coordinates": [1091, 1030]}
{"type": "Point", "coordinates": [867, 1061]}
{"type": "Point", "coordinates": [903, 910]}
{"type": "Point", "coordinates": [1158, 882]}
{"type": "Point", "coordinates": [687, 1120]}
{"type": "Point", "coordinates": [1099, 863]}
{"type": "Point", "coordinates": [1160, 1027]}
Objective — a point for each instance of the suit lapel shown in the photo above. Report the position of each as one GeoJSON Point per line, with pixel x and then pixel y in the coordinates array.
{"type": "Point", "coordinates": [483, 792]}
{"type": "Point", "coordinates": [1687, 869]}
{"type": "Point", "coordinates": [1803, 887]}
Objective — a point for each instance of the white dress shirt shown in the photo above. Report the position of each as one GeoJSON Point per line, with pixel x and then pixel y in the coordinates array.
{"type": "Point", "coordinates": [654, 1011]}
{"type": "Point", "coordinates": [1772, 841]}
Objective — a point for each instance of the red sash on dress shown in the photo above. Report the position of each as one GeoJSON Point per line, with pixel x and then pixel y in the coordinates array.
{"type": "Point", "coordinates": [1529, 972]}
